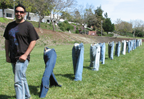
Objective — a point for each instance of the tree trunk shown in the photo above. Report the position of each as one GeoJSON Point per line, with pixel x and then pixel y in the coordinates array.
{"type": "Point", "coordinates": [53, 25]}
{"type": "Point", "coordinates": [3, 13]}
{"type": "Point", "coordinates": [27, 16]}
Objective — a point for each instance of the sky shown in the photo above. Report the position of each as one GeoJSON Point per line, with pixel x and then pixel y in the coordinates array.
{"type": "Point", "coordinates": [126, 10]}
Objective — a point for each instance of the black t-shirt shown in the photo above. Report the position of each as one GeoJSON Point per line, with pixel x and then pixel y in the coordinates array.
{"type": "Point", "coordinates": [19, 36]}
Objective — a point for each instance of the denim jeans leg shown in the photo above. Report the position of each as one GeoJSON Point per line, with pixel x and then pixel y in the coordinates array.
{"type": "Point", "coordinates": [78, 63]}
{"type": "Point", "coordinates": [102, 53]}
{"type": "Point", "coordinates": [50, 60]}
{"type": "Point", "coordinates": [119, 47]}
{"type": "Point", "coordinates": [92, 55]}
{"type": "Point", "coordinates": [124, 47]}
{"type": "Point", "coordinates": [21, 85]}
{"type": "Point", "coordinates": [111, 49]}
{"type": "Point", "coordinates": [97, 58]}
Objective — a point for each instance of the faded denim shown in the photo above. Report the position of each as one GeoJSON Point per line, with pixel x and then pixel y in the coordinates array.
{"type": "Point", "coordinates": [48, 76]}
{"type": "Point", "coordinates": [78, 58]}
{"type": "Point", "coordinates": [117, 48]}
{"type": "Point", "coordinates": [111, 49]}
{"type": "Point", "coordinates": [123, 48]}
{"type": "Point", "coordinates": [102, 52]}
{"type": "Point", "coordinates": [128, 46]}
{"type": "Point", "coordinates": [21, 85]}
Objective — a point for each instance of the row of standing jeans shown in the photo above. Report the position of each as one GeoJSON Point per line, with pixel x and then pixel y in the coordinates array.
{"type": "Point", "coordinates": [123, 47]}
{"type": "Point", "coordinates": [97, 54]}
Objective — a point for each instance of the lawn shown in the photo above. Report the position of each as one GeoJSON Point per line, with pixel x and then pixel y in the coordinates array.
{"type": "Point", "coordinates": [120, 78]}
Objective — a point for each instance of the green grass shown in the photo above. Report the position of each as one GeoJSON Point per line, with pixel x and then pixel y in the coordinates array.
{"type": "Point", "coordinates": [120, 78]}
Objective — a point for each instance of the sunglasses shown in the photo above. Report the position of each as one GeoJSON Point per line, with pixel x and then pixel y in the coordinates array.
{"type": "Point", "coordinates": [21, 12]}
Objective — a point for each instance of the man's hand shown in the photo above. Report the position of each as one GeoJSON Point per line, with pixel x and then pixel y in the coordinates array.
{"type": "Point", "coordinates": [8, 60]}
{"type": "Point", "coordinates": [23, 58]}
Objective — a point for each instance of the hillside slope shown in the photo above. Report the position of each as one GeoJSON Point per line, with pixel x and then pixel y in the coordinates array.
{"type": "Point", "coordinates": [48, 38]}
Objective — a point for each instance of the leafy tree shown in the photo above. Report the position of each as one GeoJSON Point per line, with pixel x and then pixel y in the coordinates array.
{"type": "Point", "coordinates": [123, 27]}
{"type": "Point", "coordinates": [65, 26]}
{"type": "Point", "coordinates": [108, 26]}
{"type": "Point", "coordinates": [99, 16]}
{"type": "Point", "coordinates": [6, 4]}
{"type": "Point", "coordinates": [58, 6]}
{"type": "Point", "coordinates": [42, 8]}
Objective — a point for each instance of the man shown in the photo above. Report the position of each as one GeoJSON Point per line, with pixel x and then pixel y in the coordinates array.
{"type": "Point", "coordinates": [20, 39]}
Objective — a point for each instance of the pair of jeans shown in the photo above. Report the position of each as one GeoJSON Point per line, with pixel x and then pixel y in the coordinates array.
{"type": "Point", "coordinates": [134, 44]}
{"type": "Point", "coordinates": [123, 50]}
{"type": "Point", "coordinates": [21, 85]}
{"type": "Point", "coordinates": [117, 48]}
{"type": "Point", "coordinates": [78, 58]}
{"type": "Point", "coordinates": [95, 56]}
{"type": "Point", "coordinates": [102, 52]}
{"type": "Point", "coordinates": [110, 49]}
{"type": "Point", "coordinates": [48, 76]}
{"type": "Point", "coordinates": [128, 46]}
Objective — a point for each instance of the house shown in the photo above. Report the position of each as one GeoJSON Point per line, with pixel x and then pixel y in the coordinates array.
{"type": "Point", "coordinates": [9, 14]}
{"type": "Point", "coordinates": [92, 33]}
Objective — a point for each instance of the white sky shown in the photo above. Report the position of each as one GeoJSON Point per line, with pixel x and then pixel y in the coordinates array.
{"type": "Point", "coordinates": [125, 10]}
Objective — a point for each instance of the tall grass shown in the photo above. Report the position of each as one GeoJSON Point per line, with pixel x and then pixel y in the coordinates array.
{"type": "Point", "coordinates": [120, 78]}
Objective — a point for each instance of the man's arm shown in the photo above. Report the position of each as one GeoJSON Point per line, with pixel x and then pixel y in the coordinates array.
{"type": "Point", "coordinates": [28, 51]}
{"type": "Point", "coordinates": [7, 51]}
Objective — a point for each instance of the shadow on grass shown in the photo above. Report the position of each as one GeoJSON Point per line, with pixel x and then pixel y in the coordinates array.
{"type": "Point", "coordinates": [7, 97]}
{"type": "Point", "coordinates": [87, 67]}
{"type": "Point", "coordinates": [33, 90]}
{"type": "Point", "coordinates": [70, 76]}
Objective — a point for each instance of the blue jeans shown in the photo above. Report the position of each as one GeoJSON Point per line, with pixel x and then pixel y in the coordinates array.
{"type": "Point", "coordinates": [117, 48]}
{"type": "Point", "coordinates": [134, 44]}
{"type": "Point", "coordinates": [128, 46]}
{"type": "Point", "coordinates": [21, 85]}
{"type": "Point", "coordinates": [95, 56]}
{"type": "Point", "coordinates": [110, 49]}
{"type": "Point", "coordinates": [123, 48]}
{"type": "Point", "coordinates": [50, 60]}
{"type": "Point", "coordinates": [102, 52]}
{"type": "Point", "coordinates": [78, 58]}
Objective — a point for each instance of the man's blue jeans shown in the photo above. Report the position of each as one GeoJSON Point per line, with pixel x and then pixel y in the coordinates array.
{"type": "Point", "coordinates": [117, 48]}
{"type": "Point", "coordinates": [78, 58]}
{"type": "Point", "coordinates": [102, 52]}
{"type": "Point", "coordinates": [21, 85]}
{"type": "Point", "coordinates": [110, 49]}
{"type": "Point", "coordinates": [50, 60]}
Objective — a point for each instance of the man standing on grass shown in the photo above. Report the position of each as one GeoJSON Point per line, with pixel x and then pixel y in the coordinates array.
{"type": "Point", "coordinates": [20, 39]}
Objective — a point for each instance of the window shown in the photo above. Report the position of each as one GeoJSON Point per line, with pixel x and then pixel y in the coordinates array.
{"type": "Point", "coordinates": [9, 15]}
{"type": "Point", "coordinates": [29, 18]}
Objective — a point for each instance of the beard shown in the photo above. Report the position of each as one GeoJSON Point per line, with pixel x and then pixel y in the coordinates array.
{"type": "Point", "coordinates": [19, 18]}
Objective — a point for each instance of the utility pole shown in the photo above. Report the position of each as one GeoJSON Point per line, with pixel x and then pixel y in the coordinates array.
{"type": "Point", "coordinates": [101, 26]}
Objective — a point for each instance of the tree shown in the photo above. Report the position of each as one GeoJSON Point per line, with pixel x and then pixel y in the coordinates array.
{"type": "Point", "coordinates": [123, 27]}
{"type": "Point", "coordinates": [58, 6]}
{"type": "Point", "coordinates": [42, 8]}
{"type": "Point", "coordinates": [6, 4]}
{"type": "Point", "coordinates": [99, 16]}
{"type": "Point", "coordinates": [138, 27]}
{"type": "Point", "coordinates": [107, 24]}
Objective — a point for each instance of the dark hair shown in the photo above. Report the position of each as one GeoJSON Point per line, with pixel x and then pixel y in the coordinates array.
{"type": "Point", "coordinates": [20, 5]}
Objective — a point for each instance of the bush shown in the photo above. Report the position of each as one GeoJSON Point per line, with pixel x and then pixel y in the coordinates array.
{"type": "Point", "coordinates": [65, 26]}
{"type": "Point", "coordinates": [77, 31]}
